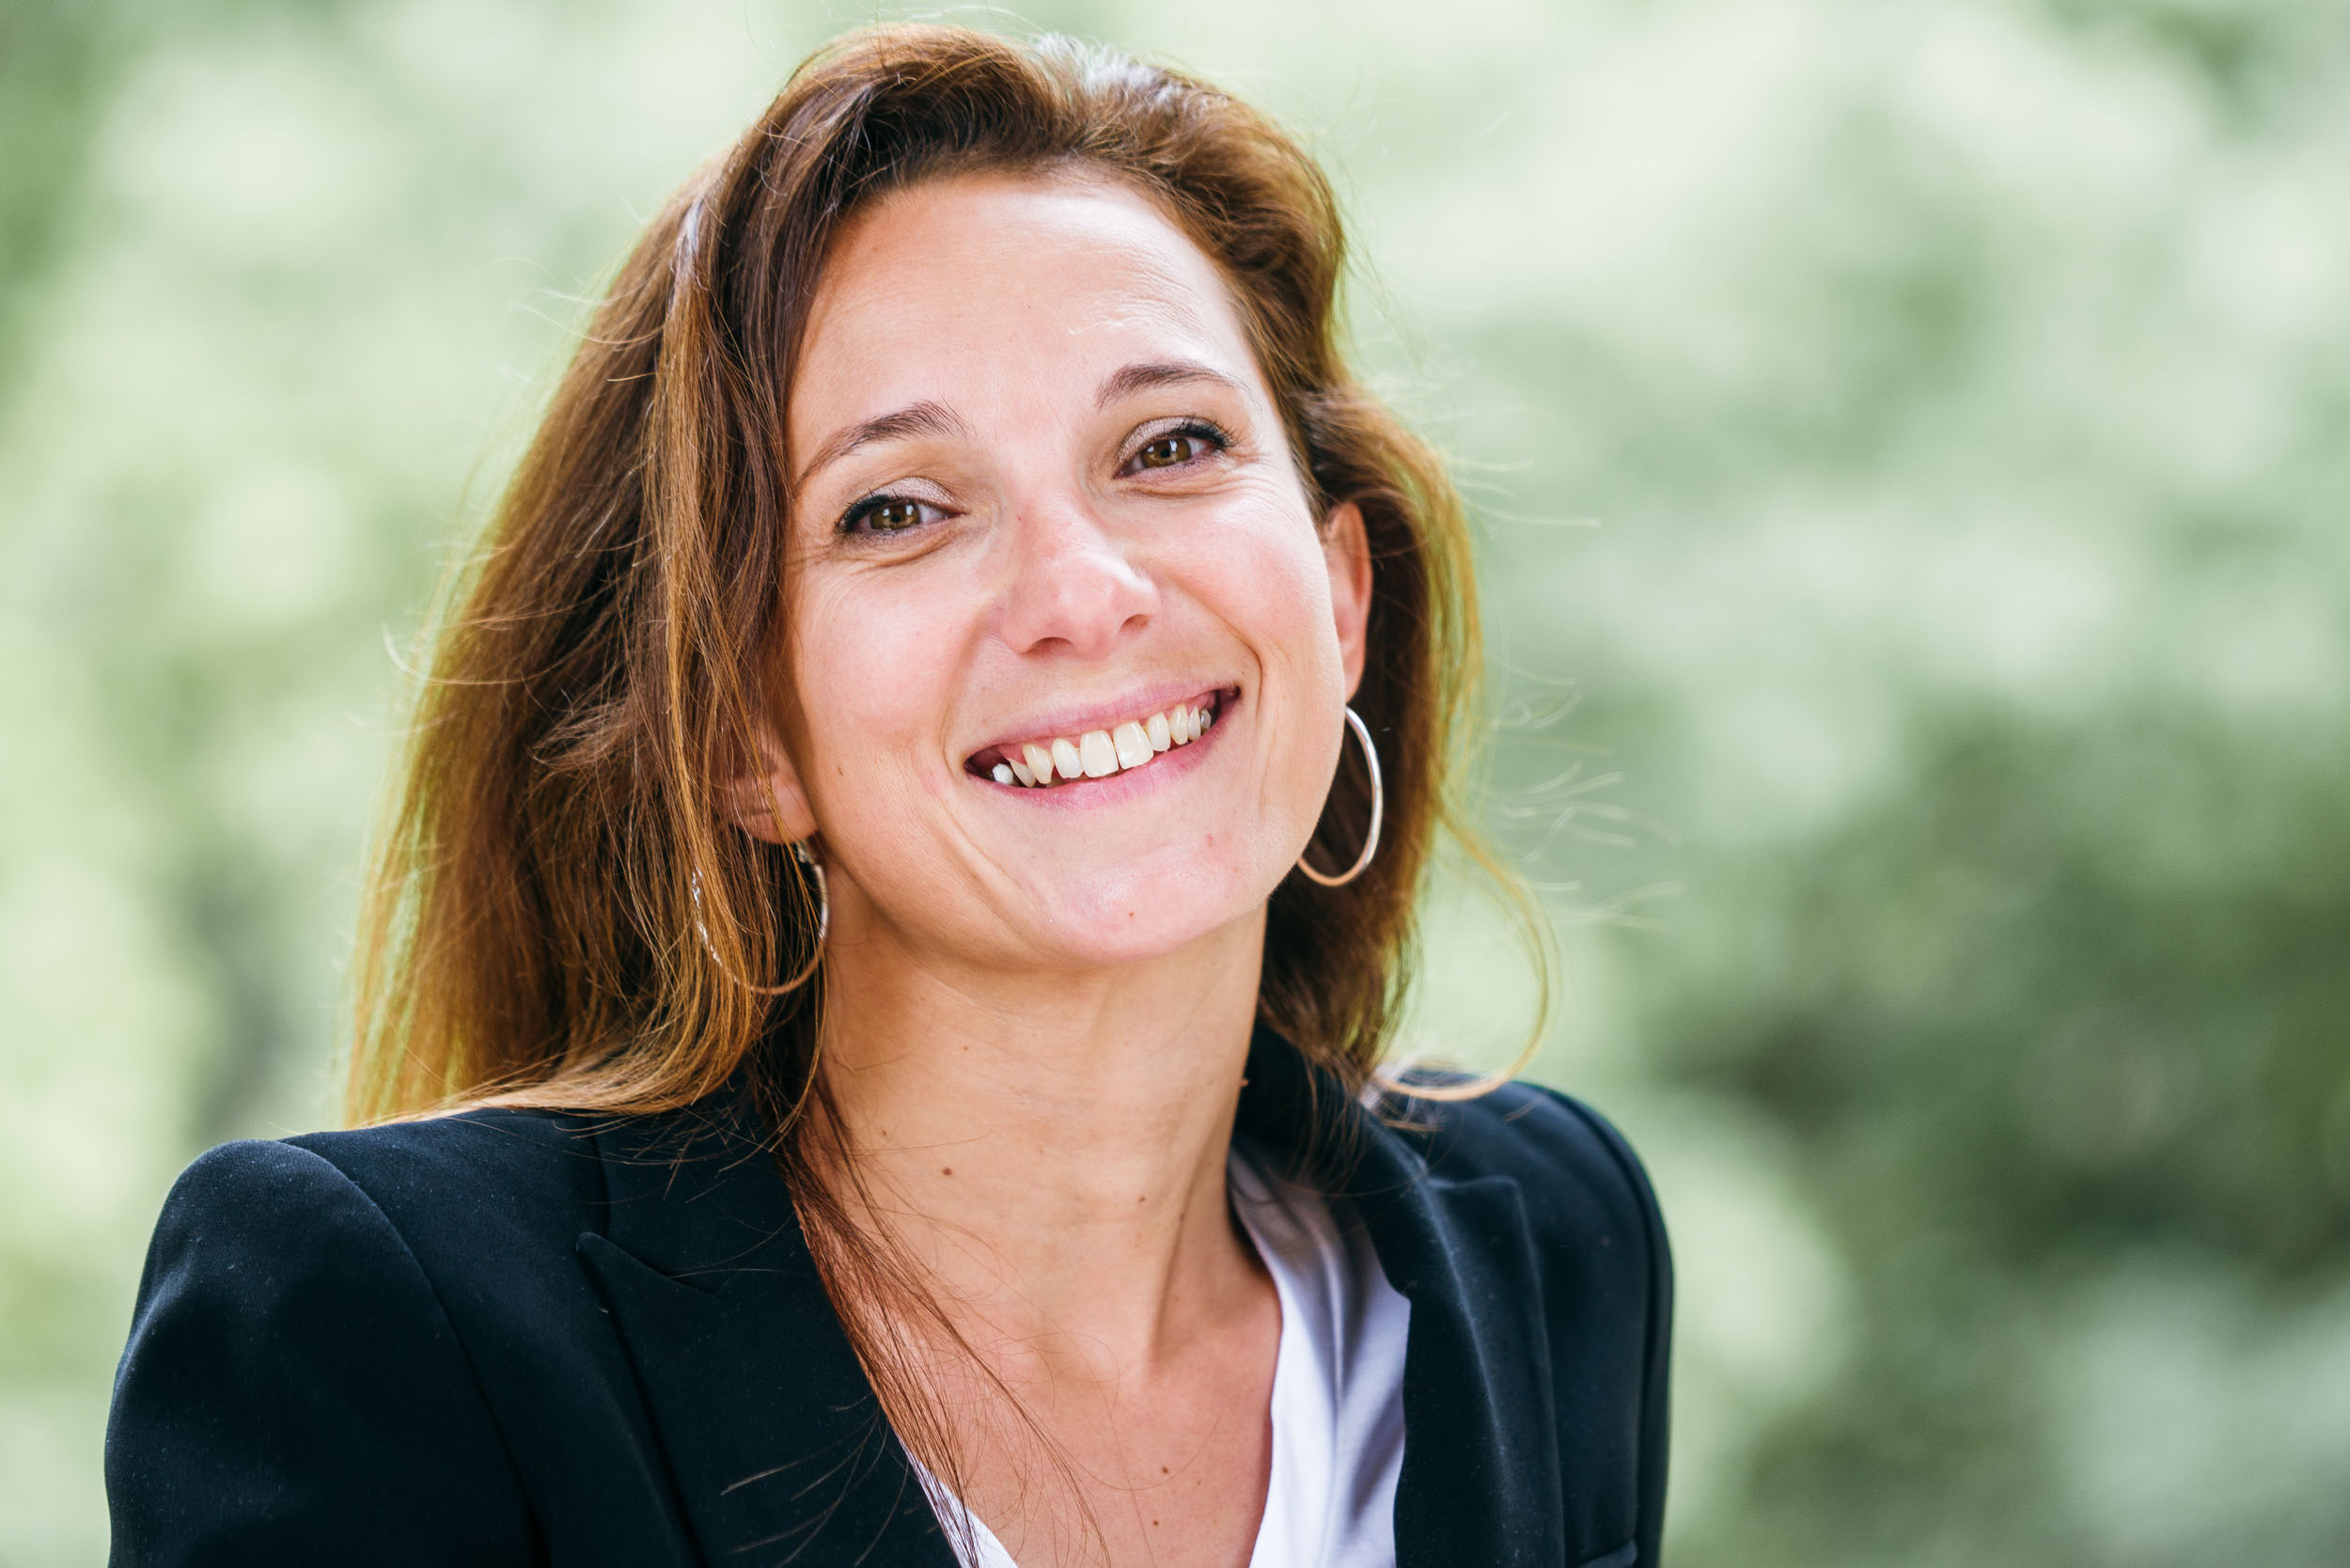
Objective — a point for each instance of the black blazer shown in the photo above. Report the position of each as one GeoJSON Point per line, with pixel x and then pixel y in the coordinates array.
{"type": "Point", "coordinates": [508, 1336]}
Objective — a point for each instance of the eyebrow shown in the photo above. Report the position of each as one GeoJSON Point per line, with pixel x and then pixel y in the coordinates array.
{"type": "Point", "coordinates": [1128, 380]}
{"type": "Point", "coordinates": [923, 418]}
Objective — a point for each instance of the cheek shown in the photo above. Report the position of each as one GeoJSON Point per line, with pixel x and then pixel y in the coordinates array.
{"type": "Point", "coordinates": [1264, 577]}
{"type": "Point", "coordinates": [872, 669]}
{"type": "Point", "coordinates": [1263, 573]}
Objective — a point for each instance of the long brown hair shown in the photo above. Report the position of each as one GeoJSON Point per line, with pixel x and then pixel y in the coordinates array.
{"type": "Point", "coordinates": [561, 915]}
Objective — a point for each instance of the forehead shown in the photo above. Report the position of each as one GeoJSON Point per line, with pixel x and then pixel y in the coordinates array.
{"type": "Point", "coordinates": [982, 287]}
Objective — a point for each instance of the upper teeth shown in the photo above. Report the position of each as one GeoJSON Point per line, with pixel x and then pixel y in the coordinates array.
{"type": "Point", "coordinates": [1099, 753]}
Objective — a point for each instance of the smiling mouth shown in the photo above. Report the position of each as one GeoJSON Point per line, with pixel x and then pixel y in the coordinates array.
{"type": "Point", "coordinates": [1055, 761]}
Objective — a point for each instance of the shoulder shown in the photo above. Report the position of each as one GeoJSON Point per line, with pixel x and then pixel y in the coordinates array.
{"type": "Point", "coordinates": [277, 1237]}
{"type": "Point", "coordinates": [1603, 1274]}
{"type": "Point", "coordinates": [317, 1237]}
{"type": "Point", "coordinates": [460, 1172]}
{"type": "Point", "coordinates": [287, 1352]}
{"type": "Point", "coordinates": [414, 1234]}
{"type": "Point", "coordinates": [1581, 1182]}
{"type": "Point", "coordinates": [437, 1188]}
{"type": "Point", "coordinates": [519, 1153]}
{"type": "Point", "coordinates": [1586, 1202]}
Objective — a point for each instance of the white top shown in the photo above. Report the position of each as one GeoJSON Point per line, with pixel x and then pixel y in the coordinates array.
{"type": "Point", "coordinates": [1337, 1388]}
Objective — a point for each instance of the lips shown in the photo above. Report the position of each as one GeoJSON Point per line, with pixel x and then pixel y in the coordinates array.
{"type": "Point", "coordinates": [1049, 761]}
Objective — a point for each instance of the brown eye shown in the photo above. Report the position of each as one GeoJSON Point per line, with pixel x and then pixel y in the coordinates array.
{"type": "Point", "coordinates": [1192, 442]}
{"type": "Point", "coordinates": [888, 514]}
{"type": "Point", "coordinates": [1168, 452]}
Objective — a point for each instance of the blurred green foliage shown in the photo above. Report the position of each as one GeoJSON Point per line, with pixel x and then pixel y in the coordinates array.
{"type": "Point", "coordinates": [1911, 442]}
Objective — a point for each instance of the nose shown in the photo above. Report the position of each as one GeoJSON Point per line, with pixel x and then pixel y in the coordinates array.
{"type": "Point", "coordinates": [1073, 589]}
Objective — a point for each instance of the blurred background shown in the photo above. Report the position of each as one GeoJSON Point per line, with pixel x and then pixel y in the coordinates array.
{"type": "Point", "coordinates": [1911, 444]}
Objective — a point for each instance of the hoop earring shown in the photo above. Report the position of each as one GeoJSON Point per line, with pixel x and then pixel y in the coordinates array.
{"type": "Point", "coordinates": [1378, 809]}
{"type": "Point", "coordinates": [816, 954]}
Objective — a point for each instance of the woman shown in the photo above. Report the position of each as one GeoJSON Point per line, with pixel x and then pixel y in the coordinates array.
{"type": "Point", "coordinates": [874, 987]}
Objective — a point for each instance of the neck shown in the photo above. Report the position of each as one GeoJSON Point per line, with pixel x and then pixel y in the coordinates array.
{"type": "Point", "coordinates": [1049, 1149]}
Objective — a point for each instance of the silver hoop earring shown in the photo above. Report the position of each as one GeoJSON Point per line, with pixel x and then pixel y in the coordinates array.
{"type": "Point", "coordinates": [816, 953]}
{"type": "Point", "coordinates": [1378, 809]}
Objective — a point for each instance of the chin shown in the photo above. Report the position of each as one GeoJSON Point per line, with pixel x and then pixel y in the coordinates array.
{"type": "Point", "coordinates": [1142, 921]}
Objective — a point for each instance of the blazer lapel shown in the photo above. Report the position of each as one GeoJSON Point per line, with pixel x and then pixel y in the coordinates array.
{"type": "Point", "coordinates": [1480, 1484]}
{"type": "Point", "coordinates": [777, 1448]}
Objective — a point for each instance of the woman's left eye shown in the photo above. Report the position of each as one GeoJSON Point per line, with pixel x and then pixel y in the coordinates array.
{"type": "Point", "coordinates": [1175, 449]}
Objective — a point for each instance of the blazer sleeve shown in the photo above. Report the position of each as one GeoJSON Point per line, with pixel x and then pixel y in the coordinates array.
{"type": "Point", "coordinates": [293, 1393]}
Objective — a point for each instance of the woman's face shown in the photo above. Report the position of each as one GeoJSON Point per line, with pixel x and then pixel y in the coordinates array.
{"type": "Point", "coordinates": [1044, 514]}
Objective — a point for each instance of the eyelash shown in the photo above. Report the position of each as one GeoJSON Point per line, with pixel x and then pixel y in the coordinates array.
{"type": "Point", "coordinates": [1196, 429]}
{"type": "Point", "coordinates": [1192, 429]}
{"type": "Point", "coordinates": [871, 504]}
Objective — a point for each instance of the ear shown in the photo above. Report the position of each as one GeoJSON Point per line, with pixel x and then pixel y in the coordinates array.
{"type": "Point", "coordinates": [769, 804]}
{"type": "Point", "coordinates": [1346, 549]}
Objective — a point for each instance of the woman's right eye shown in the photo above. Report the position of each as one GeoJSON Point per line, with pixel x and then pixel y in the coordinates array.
{"type": "Point", "coordinates": [888, 514]}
